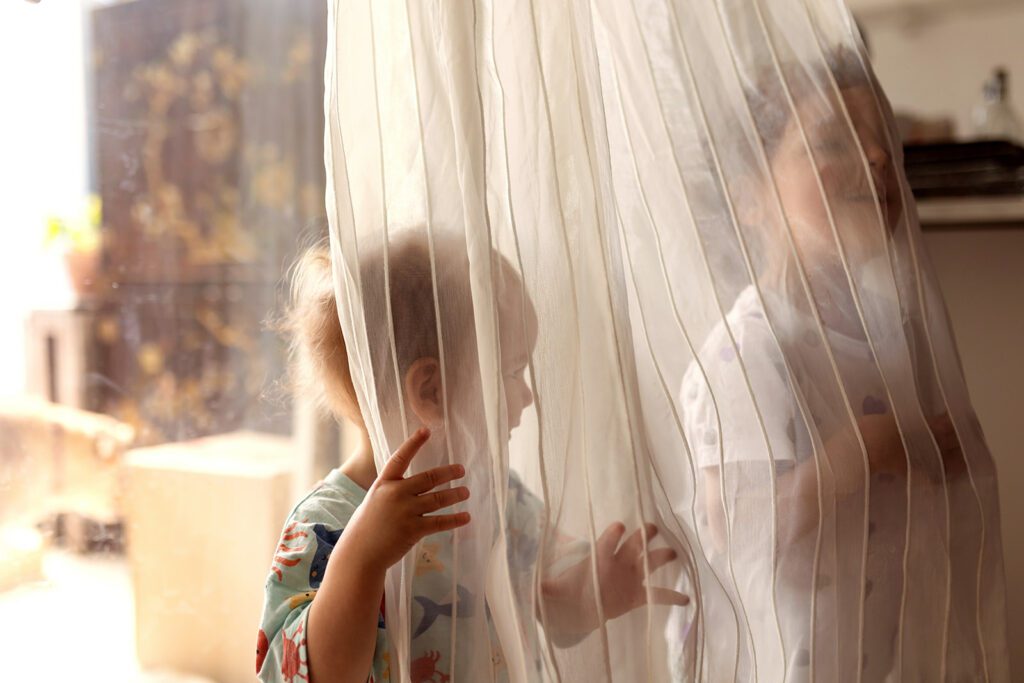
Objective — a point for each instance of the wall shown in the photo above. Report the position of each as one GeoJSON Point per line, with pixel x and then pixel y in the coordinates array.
{"type": "Point", "coordinates": [934, 61]}
{"type": "Point", "coordinates": [981, 274]}
{"type": "Point", "coordinates": [43, 166]}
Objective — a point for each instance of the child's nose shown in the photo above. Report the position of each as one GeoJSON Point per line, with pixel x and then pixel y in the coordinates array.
{"type": "Point", "coordinates": [527, 395]}
{"type": "Point", "coordinates": [879, 159]}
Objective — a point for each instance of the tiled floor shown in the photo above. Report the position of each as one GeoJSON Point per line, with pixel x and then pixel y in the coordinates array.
{"type": "Point", "coordinates": [77, 625]}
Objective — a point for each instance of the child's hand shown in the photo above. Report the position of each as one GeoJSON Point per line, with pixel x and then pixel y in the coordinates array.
{"type": "Point", "coordinates": [884, 444]}
{"type": "Point", "coordinates": [395, 513]}
{"type": "Point", "coordinates": [948, 442]}
{"type": "Point", "coordinates": [886, 454]}
{"type": "Point", "coordinates": [570, 596]}
{"type": "Point", "coordinates": [881, 439]}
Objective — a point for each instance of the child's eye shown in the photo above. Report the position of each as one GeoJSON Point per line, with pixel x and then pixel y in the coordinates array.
{"type": "Point", "coordinates": [516, 374]}
{"type": "Point", "coordinates": [831, 145]}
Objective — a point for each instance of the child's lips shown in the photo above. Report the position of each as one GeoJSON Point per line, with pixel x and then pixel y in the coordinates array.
{"type": "Point", "coordinates": [888, 204]}
{"type": "Point", "coordinates": [869, 197]}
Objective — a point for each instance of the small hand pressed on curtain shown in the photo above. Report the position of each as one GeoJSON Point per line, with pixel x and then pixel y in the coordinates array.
{"type": "Point", "coordinates": [343, 506]}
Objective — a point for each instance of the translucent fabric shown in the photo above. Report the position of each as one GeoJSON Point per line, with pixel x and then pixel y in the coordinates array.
{"type": "Point", "coordinates": [665, 259]}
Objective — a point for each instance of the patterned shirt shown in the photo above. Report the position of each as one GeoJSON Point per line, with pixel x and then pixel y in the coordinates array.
{"type": "Point", "coordinates": [310, 535]}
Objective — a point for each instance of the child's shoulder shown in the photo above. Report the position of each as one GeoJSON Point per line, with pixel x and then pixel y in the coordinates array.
{"type": "Point", "coordinates": [741, 343]}
{"type": "Point", "coordinates": [310, 533]}
{"type": "Point", "coordinates": [747, 322]}
{"type": "Point", "coordinates": [333, 501]}
{"type": "Point", "coordinates": [744, 329]}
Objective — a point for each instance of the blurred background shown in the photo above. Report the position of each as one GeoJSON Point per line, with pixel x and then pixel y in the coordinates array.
{"type": "Point", "coordinates": [161, 165]}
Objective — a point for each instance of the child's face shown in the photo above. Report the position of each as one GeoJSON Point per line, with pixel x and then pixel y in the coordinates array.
{"type": "Point", "coordinates": [516, 346]}
{"type": "Point", "coordinates": [424, 387]}
{"type": "Point", "coordinates": [839, 165]}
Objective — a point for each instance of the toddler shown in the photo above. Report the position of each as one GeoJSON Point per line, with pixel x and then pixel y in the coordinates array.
{"type": "Point", "coordinates": [766, 467]}
{"type": "Point", "coordinates": [324, 617]}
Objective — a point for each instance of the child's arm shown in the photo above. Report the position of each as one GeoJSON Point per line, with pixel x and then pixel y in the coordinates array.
{"type": "Point", "coordinates": [321, 614]}
{"type": "Point", "coordinates": [796, 503]}
{"type": "Point", "coordinates": [571, 599]}
{"type": "Point", "coordinates": [567, 587]}
{"type": "Point", "coordinates": [797, 489]}
{"type": "Point", "coordinates": [388, 523]}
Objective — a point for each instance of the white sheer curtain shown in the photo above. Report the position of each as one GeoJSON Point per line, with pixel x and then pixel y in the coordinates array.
{"type": "Point", "coordinates": [666, 259]}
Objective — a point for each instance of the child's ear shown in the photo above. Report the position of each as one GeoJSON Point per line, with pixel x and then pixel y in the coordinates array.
{"type": "Point", "coordinates": [423, 391]}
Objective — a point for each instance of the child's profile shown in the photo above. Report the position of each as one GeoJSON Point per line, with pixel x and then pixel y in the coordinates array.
{"type": "Point", "coordinates": [324, 615]}
{"type": "Point", "coordinates": [802, 462]}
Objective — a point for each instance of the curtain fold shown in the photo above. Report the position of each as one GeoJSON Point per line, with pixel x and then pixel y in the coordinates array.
{"type": "Point", "coordinates": [665, 257]}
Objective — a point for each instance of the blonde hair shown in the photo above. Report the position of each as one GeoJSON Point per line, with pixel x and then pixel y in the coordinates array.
{"type": "Point", "coordinates": [319, 358]}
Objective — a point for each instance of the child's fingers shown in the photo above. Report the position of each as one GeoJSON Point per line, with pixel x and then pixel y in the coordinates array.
{"type": "Point", "coordinates": [609, 540]}
{"type": "Point", "coordinates": [656, 559]}
{"type": "Point", "coordinates": [945, 433]}
{"type": "Point", "coordinates": [431, 479]}
{"type": "Point", "coordinates": [634, 545]}
{"type": "Point", "coordinates": [433, 524]}
{"type": "Point", "coordinates": [667, 596]}
{"type": "Point", "coordinates": [399, 461]}
{"type": "Point", "coordinates": [432, 502]}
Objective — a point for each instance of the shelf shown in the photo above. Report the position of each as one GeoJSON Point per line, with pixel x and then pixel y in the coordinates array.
{"type": "Point", "coordinates": [971, 211]}
{"type": "Point", "coordinates": [882, 8]}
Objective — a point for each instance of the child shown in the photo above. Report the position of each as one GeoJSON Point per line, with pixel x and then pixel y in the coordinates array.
{"type": "Point", "coordinates": [765, 412]}
{"type": "Point", "coordinates": [323, 617]}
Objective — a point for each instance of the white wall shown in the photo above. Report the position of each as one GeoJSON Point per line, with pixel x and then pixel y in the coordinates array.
{"type": "Point", "coordinates": [43, 160]}
{"type": "Point", "coordinates": [934, 61]}
{"type": "Point", "coordinates": [981, 273]}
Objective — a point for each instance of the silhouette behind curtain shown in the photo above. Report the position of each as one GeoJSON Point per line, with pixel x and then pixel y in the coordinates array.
{"type": "Point", "coordinates": [665, 258]}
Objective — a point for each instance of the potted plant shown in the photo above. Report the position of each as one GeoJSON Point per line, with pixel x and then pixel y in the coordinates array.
{"type": "Point", "coordinates": [79, 239]}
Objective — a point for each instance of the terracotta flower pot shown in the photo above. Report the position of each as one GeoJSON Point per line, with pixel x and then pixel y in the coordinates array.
{"type": "Point", "coordinates": [83, 267]}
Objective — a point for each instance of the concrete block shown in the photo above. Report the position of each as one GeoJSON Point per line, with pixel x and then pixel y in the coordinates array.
{"type": "Point", "coordinates": [22, 551]}
{"type": "Point", "coordinates": [203, 518]}
{"type": "Point", "coordinates": [56, 459]}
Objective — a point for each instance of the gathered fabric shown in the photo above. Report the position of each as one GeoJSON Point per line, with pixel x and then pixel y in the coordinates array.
{"type": "Point", "coordinates": [666, 258]}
